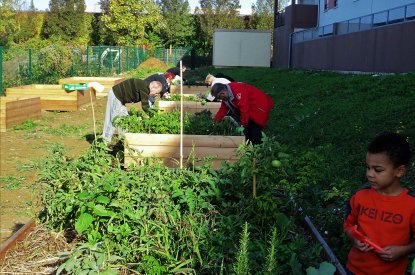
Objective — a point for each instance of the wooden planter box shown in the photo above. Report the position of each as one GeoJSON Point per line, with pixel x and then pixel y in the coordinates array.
{"type": "Point", "coordinates": [107, 82]}
{"type": "Point", "coordinates": [53, 97]}
{"type": "Point", "coordinates": [189, 106]}
{"type": "Point", "coordinates": [14, 111]}
{"type": "Point", "coordinates": [189, 89]}
{"type": "Point", "coordinates": [167, 147]}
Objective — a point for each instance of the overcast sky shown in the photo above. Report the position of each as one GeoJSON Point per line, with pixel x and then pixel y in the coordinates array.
{"type": "Point", "coordinates": [92, 5]}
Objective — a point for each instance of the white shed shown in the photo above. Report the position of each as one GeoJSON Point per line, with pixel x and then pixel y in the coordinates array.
{"type": "Point", "coordinates": [245, 48]}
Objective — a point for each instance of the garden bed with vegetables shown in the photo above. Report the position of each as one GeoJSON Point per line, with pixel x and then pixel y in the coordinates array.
{"type": "Point", "coordinates": [157, 134]}
{"type": "Point", "coordinates": [191, 104]}
{"type": "Point", "coordinates": [151, 219]}
{"type": "Point", "coordinates": [175, 89]}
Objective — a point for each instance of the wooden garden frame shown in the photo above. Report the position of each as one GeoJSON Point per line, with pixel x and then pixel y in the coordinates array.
{"type": "Point", "coordinates": [189, 106]}
{"type": "Point", "coordinates": [138, 146]}
{"type": "Point", "coordinates": [16, 110]}
{"type": "Point", "coordinates": [53, 97]}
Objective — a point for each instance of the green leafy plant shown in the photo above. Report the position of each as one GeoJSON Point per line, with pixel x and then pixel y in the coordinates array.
{"type": "Point", "coordinates": [28, 125]}
{"type": "Point", "coordinates": [325, 268]}
{"type": "Point", "coordinates": [241, 266]}
{"type": "Point", "coordinates": [88, 259]}
{"type": "Point", "coordinates": [156, 122]}
{"type": "Point", "coordinates": [11, 182]}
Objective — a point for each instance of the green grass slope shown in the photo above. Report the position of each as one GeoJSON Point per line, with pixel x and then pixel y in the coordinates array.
{"type": "Point", "coordinates": [341, 112]}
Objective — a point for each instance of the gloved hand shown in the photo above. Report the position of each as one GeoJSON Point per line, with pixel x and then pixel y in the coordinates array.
{"type": "Point", "coordinates": [240, 130]}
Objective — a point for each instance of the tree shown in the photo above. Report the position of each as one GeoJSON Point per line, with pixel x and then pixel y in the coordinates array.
{"type": "Point", "coordinates": [179, 28]}
{"type": "Point", "coordinates": [221, 14]}
{"type": "Point", "coordinates": [65, 19]}
{"type": "Point", "coordinates": [6, 18]}
{"type": "Point", "coordinates": [128, 21]}
{"type": "Point", "coordinates": [262, 15]}
{"type": "Point", "coordinates": [28, 24]}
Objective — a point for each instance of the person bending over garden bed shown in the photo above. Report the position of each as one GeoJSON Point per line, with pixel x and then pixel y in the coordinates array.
{"type": "Point", "coordinates": [132, 90]}
{"type": "Point", "coordinates": [380, 219]}
{"type": "Point", "coordinates": [246, 104]}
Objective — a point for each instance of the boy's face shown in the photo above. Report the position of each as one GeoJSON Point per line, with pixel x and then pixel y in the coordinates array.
{"type": "Point", "coordinates": [382, 175]}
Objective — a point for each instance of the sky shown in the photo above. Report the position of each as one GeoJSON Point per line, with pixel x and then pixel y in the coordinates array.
{"type": "Point", "coordinates": [92, 5]}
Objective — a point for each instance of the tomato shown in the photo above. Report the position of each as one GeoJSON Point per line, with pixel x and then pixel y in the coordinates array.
{"type": "Point", "coordinates": [276, 163]}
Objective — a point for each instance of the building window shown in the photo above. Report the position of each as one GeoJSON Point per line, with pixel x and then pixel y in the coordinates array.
{"type": "Point", "coordinates": [330, 4]}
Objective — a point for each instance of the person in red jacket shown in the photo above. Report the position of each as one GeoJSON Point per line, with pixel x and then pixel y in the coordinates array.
{"type": "Point", "coordinates": [246, 104]}
{"type": "Point", "coordinates": [384, 212]}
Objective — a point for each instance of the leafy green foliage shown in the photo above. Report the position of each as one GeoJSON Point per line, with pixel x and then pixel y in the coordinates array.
{"type": "Point", "coordinates": [130, 20]}
{"type": "Point", "coordinates": [325, 268]}
{"type": "Point", "coordinates": [10, 182]}
{"type": "Point", "coordinates": [241, 266]}
{"type": "Point", "coordinates": [137, 214]}
{"type": "Point", "coordinates": [54, 62]}
{"type": "Point", "coordinates": [68, 130]}
{"type": "Point", "coordinates": [179, 25]}
{"type": "Point", "coordinates": [88, 259]}
{"type": "Point", "coordinates": [65, 19]}
{"type": "Point", "coordinates": [169, 123]}
{"type": "Point", "coordinates": [213, 15]}
{"type": "Point", "coordinates": [27, 125]}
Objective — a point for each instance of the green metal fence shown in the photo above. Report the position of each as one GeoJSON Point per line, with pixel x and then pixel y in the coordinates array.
{"type": "Point", "coordinates": [29, 66]}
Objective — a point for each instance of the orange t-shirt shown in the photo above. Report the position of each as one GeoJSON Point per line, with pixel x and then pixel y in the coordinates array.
{"type": "Point", "coordinates": [385, 220]}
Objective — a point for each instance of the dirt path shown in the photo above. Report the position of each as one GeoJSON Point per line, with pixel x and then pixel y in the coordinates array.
{"type": "Point", "coordinates": [22, 152]}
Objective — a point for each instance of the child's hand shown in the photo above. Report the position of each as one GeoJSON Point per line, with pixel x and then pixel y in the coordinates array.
{"type": "Point", "coordinates": [391, 253]}
{"type": "Point", "coordinates": [362, 246]}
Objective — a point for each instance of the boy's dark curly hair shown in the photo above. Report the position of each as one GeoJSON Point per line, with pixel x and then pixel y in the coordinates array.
{"type": "Point", "coordinates": [394, 145]}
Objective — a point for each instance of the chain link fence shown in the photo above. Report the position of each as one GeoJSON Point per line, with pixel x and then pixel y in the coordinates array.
{"type": "Point", "coordinates": [48, 65]}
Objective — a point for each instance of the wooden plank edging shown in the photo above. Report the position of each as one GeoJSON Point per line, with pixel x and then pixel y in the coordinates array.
{"type": "Point", "coordinates": [17, 236]}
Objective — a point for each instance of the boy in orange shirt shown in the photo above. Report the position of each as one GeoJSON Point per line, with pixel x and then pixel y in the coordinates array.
{"type": "Point", "coordinates": [384, 212]}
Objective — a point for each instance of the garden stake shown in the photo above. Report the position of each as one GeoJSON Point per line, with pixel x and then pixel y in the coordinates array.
{"type": "Point", "coordinates": [93, 114]}
{"type": "Point", "coordinates": [181, 116]}
{"type": "Point", "coordinates": [254, 179]}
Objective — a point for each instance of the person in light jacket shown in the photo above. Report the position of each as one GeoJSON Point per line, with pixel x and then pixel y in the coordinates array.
{"type": "Point", "coordinates": [246, 104]}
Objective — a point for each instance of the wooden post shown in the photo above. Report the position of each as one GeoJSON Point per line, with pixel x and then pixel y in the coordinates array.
{"type": "Point", "coordinates": [93, 111]}
{"type": "Point", "coordinates": [181, 117]}
{"type": "Point", "coordinates": [254, 179]}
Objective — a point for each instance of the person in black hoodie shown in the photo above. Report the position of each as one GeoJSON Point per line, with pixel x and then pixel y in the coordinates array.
{"type": "Point", "coordinates": [131, 90]}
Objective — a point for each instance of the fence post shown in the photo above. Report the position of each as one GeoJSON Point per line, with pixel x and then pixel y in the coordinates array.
{"type": "Point", "coordinates": [1, 71]}
{"type": "Point", "coordinates": [119, 60]}
{"type": "Point", "coordinates": [99, 60]}
{"type": "Point", "coordinates": [126, 60]}
{"type": "Point", "coordinates": [30, 67]}
{"type": "Point", "coordinates": [87, 61]}
{"type": "Point", "coordinates": [192, 58]}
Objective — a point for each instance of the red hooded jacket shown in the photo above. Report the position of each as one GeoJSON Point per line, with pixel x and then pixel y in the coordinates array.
{"type": "Point", "coordinates": [253, 104]}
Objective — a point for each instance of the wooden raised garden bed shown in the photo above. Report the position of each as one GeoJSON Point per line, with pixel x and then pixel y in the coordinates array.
{"type": "Point", "coordinates": [16, 110]}
{"type": "Point", "coordinates": [167, 147]}
{"type": "Point", "coordinates": [107, 82]}
{"type": "Point", "coordinates": [189, 106]}
{"type": "Point", "coordinates": [53, 97]}
{"type": "Point", "coordinates": [189, 89]}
